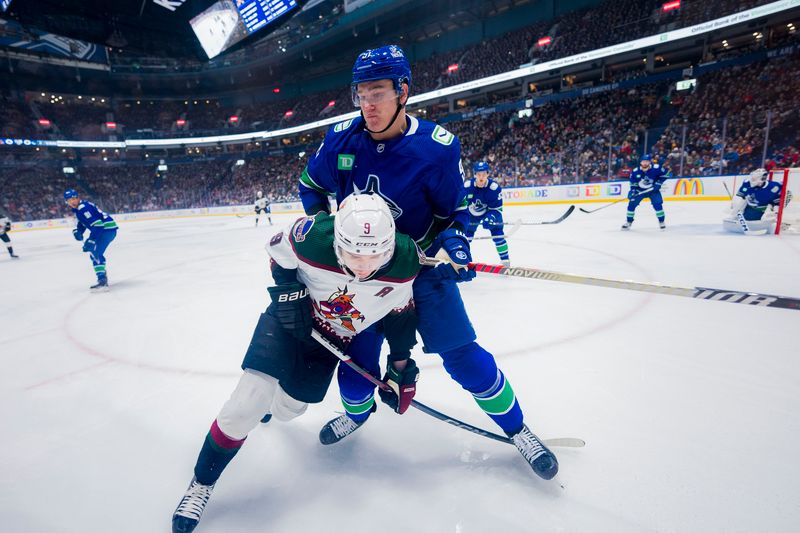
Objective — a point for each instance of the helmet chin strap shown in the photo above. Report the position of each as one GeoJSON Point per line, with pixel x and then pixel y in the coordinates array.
{"type": "Point", "coordinates": [394, 117]}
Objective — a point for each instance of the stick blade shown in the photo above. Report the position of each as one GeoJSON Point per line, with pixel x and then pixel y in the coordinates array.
{"type": "Point", "coordinates": [565, 442]}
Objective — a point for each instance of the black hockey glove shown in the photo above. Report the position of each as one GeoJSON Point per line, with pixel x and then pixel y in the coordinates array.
{"type": "Point", "coordinates": [403, 385]}
{"type": "Point", "coordinates": [293, 308]}
{"type": "Point", "coordinates": [8, 224]}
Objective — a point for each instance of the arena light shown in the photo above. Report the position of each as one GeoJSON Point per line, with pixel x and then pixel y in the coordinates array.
{"type": "Point", "coordinates": [544, 41]}
{"type": "Point", "coordinates": [288, 114]}
{"type": "Point", "coordinates": [240, 162]}
{"type": "Point", "coordinates": [452, 68]}
{"type": "Point", "coordinates": [180, 122]}
{"type": "Point", "coordinates": [671, 6]}
{"type": "Point", "coordinates": [44, 122]}
{"type": "Point", "coordinates": [111, 125]}
{"type": "Point", "coordinates": [332, 103]}
{"type": "Point", "coordinates": [276, 90]}
{"type": "Point", "coordinates": [68, 170]}
{"type": "Point", "coordinates": [233, 119]}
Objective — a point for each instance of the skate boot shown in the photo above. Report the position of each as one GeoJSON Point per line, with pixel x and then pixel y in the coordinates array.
{"type": "Point", "coordinates": [506, 263]}
{"type": "Point", "coordinates": [187, 515]}
{"type": "Point", "coordinates": [541, 459]}
{"type": "Point", "coordinates": [337, 429]}
{"type": "Point", "coordinates": [101, 285]}
{"type": "Point", "coordinates": [626, 225]}
{"type": "Point", "coordinates": [662, 225]}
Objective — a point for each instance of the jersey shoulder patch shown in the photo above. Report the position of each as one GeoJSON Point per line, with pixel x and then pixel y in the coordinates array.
{"type": "Point", "coordinates": [442, 136]}
{"type": "Point", "coordinates": [468, 184]}
{"type": "Point", "coordinates": [493, 186]}
{"type": "Point", "coordinates": [302, 228]}
{"type": "Point", "coordinates": [341, 126]}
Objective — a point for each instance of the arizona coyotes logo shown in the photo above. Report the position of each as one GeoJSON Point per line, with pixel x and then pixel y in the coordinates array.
{"type": "Point", "coordinates": [340, 307]}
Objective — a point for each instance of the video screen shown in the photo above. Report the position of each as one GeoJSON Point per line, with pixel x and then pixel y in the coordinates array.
{"type": "Point", "coordinates": [227, 22]}
{"type": "Point", "coordinates": [4, 5]}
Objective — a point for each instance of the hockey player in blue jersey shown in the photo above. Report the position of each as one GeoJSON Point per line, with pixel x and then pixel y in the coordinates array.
{"type": "Point", "coordinates": [415, 165]}
{"type": "Point", "coordinates": [646, 181]}
{"type": "Point", "coordinates": [749, 206]}
{"type": "Point", "coordinates": [485, 206]}
{"type": "Point", "coordinates": [102, 230]}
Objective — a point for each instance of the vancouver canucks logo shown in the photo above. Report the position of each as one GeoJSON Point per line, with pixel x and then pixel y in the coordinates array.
{"type": "Point", "coordinates": [340, 307]}
{"type": "Point", "coordinates": [373, 186]}
{"type": "Point", "coordinates": [477, 208]}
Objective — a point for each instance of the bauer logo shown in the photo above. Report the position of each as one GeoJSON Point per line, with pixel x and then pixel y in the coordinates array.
{"type": "Point", "coordinates": [614, 189]}
{"type": "Point", "coordinates": [689, 187]}
{"type": "Point", "coordinates": [346, 161]}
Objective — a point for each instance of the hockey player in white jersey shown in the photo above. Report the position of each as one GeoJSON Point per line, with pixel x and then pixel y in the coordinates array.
{"type": "Point", "coordinates": [262, 206]}
{"type": "Point", "coordinates": [343, 274]}
{"type": "Point", "coordinates": [5, 227]}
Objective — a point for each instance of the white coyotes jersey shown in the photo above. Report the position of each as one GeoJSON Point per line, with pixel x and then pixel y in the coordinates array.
{"type": "Point", "coordinates": [343, 305]}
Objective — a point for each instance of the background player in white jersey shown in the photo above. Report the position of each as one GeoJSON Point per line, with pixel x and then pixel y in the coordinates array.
{"type": "Point", "coordinates": [262, 206]}
{"type": "Point", "coordinates": [749, 206]}
{"type": "Point", "coordinates": [344, 275]}
{"type": "Point", "coordinates": [5, 227]}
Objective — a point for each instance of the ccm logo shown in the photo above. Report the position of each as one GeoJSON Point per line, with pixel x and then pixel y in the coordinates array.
{"type": "Point", "coordinates": [292, 296]}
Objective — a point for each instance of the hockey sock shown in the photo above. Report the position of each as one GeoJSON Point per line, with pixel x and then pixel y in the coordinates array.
{"type": "Point", "coordinates": [217, 451]}
{"type": "Point", "coordinates": [500, 403]}
{"type": "Point", "coordinates": [502, 248]}
{"type": "Point", "coordinates": [629, 216]}
{"type": "Point", "coordinates": [359, 410]}
{"type": "Point", "coordinates": [660, 215]}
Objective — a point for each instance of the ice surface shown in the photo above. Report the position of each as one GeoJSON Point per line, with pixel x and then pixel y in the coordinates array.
{"type": "Point", "coordinates": [689, 408]}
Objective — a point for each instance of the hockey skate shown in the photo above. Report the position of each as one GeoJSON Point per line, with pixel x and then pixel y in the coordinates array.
{"type": "Point", "coordinates": [506, 263]}
{"type": "Point", "coordinates": [541, 459]}
{"type": "Point", "coordinates": [626, 225]}
{"type": "Point", "coordinates": [14, 256]}
{"type": "Point", "coordinates": [187, 515]}
{"type": "Point", "coordinates": [100, 286]}
{"type": "Point", "coordinates": [662, 225]}
{"type": "Point", "coordinates": [337, 429]}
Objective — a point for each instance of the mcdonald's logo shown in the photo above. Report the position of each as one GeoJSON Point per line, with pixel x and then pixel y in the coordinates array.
{"type": "Point", "coordinates": [689, 187]}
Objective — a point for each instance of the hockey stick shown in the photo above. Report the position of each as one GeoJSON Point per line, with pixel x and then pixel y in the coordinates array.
{"type": "Point", "coordinates": [567, 442]}
{"type": "Point", "coordinates": [746, 227]}
{"type": "Point", "coordinates": [702, 293]}
{"type": "Point", "coordinates": [727, 190]}
{"type": "Point", "coordinates": [516, 225]}
{"type": "Point", "coordinates": [567, 213]}
{"type": "Point", "coordinates": [618, 201]}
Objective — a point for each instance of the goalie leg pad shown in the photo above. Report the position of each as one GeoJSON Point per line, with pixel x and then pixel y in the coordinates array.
{"type": "Point", "coordinates": [252, 397]}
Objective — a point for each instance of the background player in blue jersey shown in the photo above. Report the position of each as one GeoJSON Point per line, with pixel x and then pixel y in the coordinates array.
{"type": "Point", "coordinates": [485, 206]}
{"type": "Point", "coordinates": [646, 181]}
{"type": "Point", "coordinates": [102, 230]}
{"type": "Point", "coordinates": [749, 206]}
{"type": "Point", "coordinates": [415, 165]}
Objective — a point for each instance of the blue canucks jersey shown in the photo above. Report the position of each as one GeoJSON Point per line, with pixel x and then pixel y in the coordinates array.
{"type": "Point", "coordinates": [89, 216]}
{"type": "Point", "coordinates": [483, 200]}
{"type": "Point", "coordinates": [652, 177]}
{"type": "Point", "coordinates": [419, 174]}
{"type": "Point", "coordinates": [759, 198]}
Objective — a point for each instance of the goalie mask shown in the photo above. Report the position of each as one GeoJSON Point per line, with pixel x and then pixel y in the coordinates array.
{"type": "Point", "coordinates": [758, 177]}
{"type": "Point", "coordinates": [363, 235]}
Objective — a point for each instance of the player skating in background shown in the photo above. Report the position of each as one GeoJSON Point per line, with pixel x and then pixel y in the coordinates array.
{"type": "Point", "coordinates": [262, 206]}
{"type": "Point", "coordinates": [416, 166]}
{"type": "Point", "coordinates": [102, 230]}
{"type": "Point", "coordinates": [485, 205]}
{"type": "Point", "coordinates": [646, 181]}
{"type": "Point", "coordinates": [345, 274]}
{"type": "Point", "coordinates": [5, 227]}
{"type": "Point", "coordinates": [749, 205]}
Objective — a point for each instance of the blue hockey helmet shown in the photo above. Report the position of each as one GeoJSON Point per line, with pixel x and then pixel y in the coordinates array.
{"type": "Point", "coordinates": [384, 63]}
{"type": "Point", "coordinates": [646, 157]}
{"type": "Point", "coordinates": [480, 166]}
{"type": "Point", "coordinates": [70, 193]}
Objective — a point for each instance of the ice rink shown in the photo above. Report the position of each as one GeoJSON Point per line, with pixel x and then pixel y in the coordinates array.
{"type": "Point", "coordinates": [689, 408]}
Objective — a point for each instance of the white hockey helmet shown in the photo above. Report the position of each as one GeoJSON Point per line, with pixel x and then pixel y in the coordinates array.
{"type": "Point", "coordinates": [363, 234]}
{"type": "Point", "coordinates": [758, 177]}
{"type": "Point", "coordinates": [260, 194]}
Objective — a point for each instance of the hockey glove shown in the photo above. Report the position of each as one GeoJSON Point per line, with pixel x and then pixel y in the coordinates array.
{"type": "Point", "coordinates": [77, 234]}
{"type": "Point", "coordinates": [292, 308]}
{"type": "Point", "coordinates": [403, 385]}
{"type": "Point", "coordinates": [455, 251]}
{"type": "Point", "coordinates": [89, 246]}
{"type": "Point", "coordinates": [8, 224]}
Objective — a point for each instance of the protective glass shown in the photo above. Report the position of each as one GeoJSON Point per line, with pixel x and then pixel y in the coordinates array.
{"type": "Point", "coordinates": [371, 97]}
